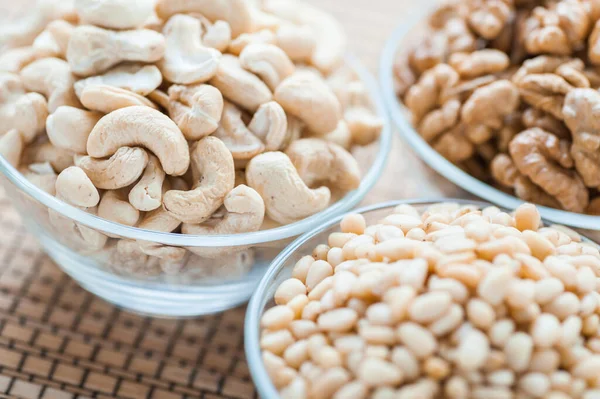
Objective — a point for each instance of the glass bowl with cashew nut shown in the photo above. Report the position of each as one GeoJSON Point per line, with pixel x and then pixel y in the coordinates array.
{"type": "Point", "coordinates": [419, 299]}
{"type": "Point", "coordinates": [500, 98]}
{"type": "Point", "coordinates": [164, 152]}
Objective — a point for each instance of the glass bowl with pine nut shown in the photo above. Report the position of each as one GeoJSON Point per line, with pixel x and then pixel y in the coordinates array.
{"type": "Point", "coordinates": [419, 299]}
{"type": "Point", "coordinates": [497, 128]}
{"type": "Point", "coordinates": [164, 152]}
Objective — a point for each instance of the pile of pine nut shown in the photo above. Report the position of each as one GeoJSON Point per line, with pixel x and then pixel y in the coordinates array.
{"type": "Point", "coordinates": [455, 302]}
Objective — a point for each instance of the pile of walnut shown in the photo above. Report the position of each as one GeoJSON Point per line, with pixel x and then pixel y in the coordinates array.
{"type": "Point", "coordinates": [455, 302]}
{"type": "Point", "coordinates": [507, 90]}
{"type": "Point", "coordinates": [195, 116]}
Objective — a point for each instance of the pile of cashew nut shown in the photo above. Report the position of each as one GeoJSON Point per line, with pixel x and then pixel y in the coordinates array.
{"type": "Point", "coordinates": [195, 117]}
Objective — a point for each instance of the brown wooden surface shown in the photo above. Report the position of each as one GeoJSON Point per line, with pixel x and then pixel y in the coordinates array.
{"type": "Point", "coordinates": [57, 341]}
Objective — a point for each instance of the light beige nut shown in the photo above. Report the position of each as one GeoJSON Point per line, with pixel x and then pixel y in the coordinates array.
{"type": "Point", "coordinates": [53, 41]}
{"type": "Point", "coordinates": [267, 61]}
{"type": "Point", "coordinates": [217, 35]}
{"type": "Point", "coordinates": [146, 195]}
{"type": "Point", "coordinates": [319, 162]}
{"type": "Point", "coordinates": [42, 176]}
{"type": "Point", "coordinates": [11, 147]}
{"type": "Point", "coordinates": [115, 207]}
{"type": "Point", "coordinates": [298, 41]}
{"type": "Point", "coordinates": [74, 186]}
{"type": "Point", "coordinates": [94, 50]}
{"type": "Point", "coordinates": [123, 168]}
{"type": "Point", "coordinates": [341, 136]}
{"type": "Point", "coordinates": [69, 128]}
{"type": "Point", "coordinates": [287, 198]}
{"type": "Point", "coordinates": [234, 133]}
{"type": "Point", "coordinates": [145, 127]}
{"type": "Point", "coordinates": [186, 59]}
{"type": "Point", "coordinates": [308, 98]}
{"type": "Point", "coordinates": [240, 86]}
{"type": "Point", "coordinates": [364, 126]}
{"type": "Point", "coordinates": [245, 213]}
{"type": "Point", "coordinates": [138, 78]}
{"type": "Point", "coordinates": [25, 112]}
{"type": "Point", "coordinates": [114, 14]}
{"type": "Point", "coordinates": [238, 44]}
{"type": "Point", "coordinates": [236, 13]}
{"type": "Point", "coordinates": [14, 60]}
{"type": "Point", "coordinates": [40, 152]}
{"type": "Point", "coordinates": [214, 176]}
{"type": "Point", "coordinates": [159, 220]}
{"type": "Point", "coordinates": [106, 99]}
{"type": "Point", "coordinates": [270, 124]}
{"type": "Point", "coordinates": [51, 77]}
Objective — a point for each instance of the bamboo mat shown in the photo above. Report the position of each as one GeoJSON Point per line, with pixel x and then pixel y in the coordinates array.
{"type": "Point", "coordinates": [58, 341]}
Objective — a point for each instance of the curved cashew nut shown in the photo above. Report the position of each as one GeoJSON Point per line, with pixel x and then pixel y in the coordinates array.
{"type": "Point", "coordinates": [25, 112]}
{"type": "Point", "coordinates": [308, 98]}
{"type": "Point", "coordinates": [75, 187]}
{"type": "Point", "coordinates": [145, 127]}
{"type": "Point", "coordinates": [235, 12]}
{"type": "Point", "coordinates": [267, 61]}
{"type": "Point", "coordinates": [138, 78]}
{"type": "Point", "coordinates": [331, 44]}
{"type": "Point", "coordinates": [106, 99]}
{"type": "Point", "coordinates": [120, 170]}
{"type": "Point", "coordinates": [114, 14]}
{"type": "Point", "coordinates": [298, 42]}
{"type": "Point", "coordinates": [159, 220]}
{"type": "Point", "coordinates": [51, 77]}
{"type": "Point", "coordinates": [217, 36]}
{"type": "Point", "coordinates": [186, 59]}
{"type": "Point", "coordinates": [42, 176]}
{"type": "Point", "coordinates": [238, 44]}
{"type": "Point", "coordinates": [270, 124]}
{"type": "Point", "coordinates": [69, 128]}
{"type": "Point", "coordinates": [39, 152]}
{"type": "Point", "coordinates": [195, 109]}
{"type": "Point", "coordinates": [341, 135]}
{"type": "Point", "coordinates": [146, 195]}
{"type": "Point", "coordinates": [53, 41]}
{"type": "Point", "coordinates": [11, 147]}
{"type": "Point", "coordinates": [245, 213]}
{"type": "Point", "coordinates": [318, 161]}
{"type": "Point", "coordinates": [365, 127]}
{"type": "Point", "coordinates": [115, 207]}
{"type": "Point", "coordinates": [93, 50]}
{"type": "Point", "coordinates": [240, 141]}
{"type": "Point", "coordinates": [287, 198]}
{"type": "Point", "coordinates": [240, 86]}
{"type": "Point", "coordinates": [214, 172]}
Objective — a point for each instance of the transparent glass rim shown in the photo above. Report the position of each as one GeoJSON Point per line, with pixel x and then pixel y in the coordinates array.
{"type": "Point", "coordinates": [261, 379]}
{"type": "Point", "coordinates": [350, 200]}
{"type": "Point", "coordinates": [433, 158]}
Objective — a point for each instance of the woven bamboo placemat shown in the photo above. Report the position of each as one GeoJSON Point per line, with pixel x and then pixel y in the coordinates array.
{"type": "Point", "coordinates": [58, 341]}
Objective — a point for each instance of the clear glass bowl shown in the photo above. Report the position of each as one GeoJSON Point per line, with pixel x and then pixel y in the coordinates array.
{"type": "Point", "coordinates": [281, 270]}
{"type": "Point", "coordinates": [408, 25]}
{"type": "Point", "coordinates": [220, 272]}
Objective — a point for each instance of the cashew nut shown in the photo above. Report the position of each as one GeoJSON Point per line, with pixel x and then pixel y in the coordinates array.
{"type": "Point", "coordinates": [228, 265]}
{"type": "Point", "coordinates": [214, 173]}
{"type": "Point", "coordinates": [120, 170]}
{"type": "Point", "coordinates": [145, 127]}
{"type": "Point", "coordinates": [42, 176]}
{"type": "Point", "coordinates": [138, 78]}
{"type": "Point", "coordinates": [53, 41]}
{"type": "Point", "coordinates": [287, 198]}
{"type": "Point", "coordinates": [298, 42]}
{"type": "Point", "coordinates": [41, 152]}
{"type": "Point", "coordinates": [267, 61]}
{"type": "Point", "coordinates": [318, 161]}
{"type": "Point", "coordinates": [217, 36]}
{"type": "Point", "coordinates": [51, 77]}
{"type": "Point", "coordinates": [240, 141]}
{"type": "Point", "coordinates": [14, 60]}
{"type": "Point", "coordinates": [240, 86]}
{"type": "Point", "coordinates": [159, 220]}
{"type": "Point", "coordinates": [269, 124]}
{"type": "Point", "coordinates": [195, 109]}
{"type": "Point", "coordinates": [107, 99]}
{"type": "Point", "coordinates": [235, 12]}
{"type": "Point", "coordinates": [186, 59]}
{"type": "Point", "coordinates": [11, 147]}
{"type": "Point", "coordinates": [365, 127]}
{"type": "Point", "coordinates": [93, 50]}
{"type": "Point", "coordinates": [73, 185]}
{"type": "Point", "coordinates": [308, 98]}
{"type": "Point", "coordinates": [114, 14]}
{"type": "Point", "coordinates": [146, 195]}
{"type": "Point", "coordinates": [238, 44]}
{"type": "Point", "coordinates": [115, 207]}
{"type": "Point", "coordinates": [25, 112]}
{"type": "Point", "coordinates": [341, 135]}
{"type": "Point", "coordinates": [69, 128]}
